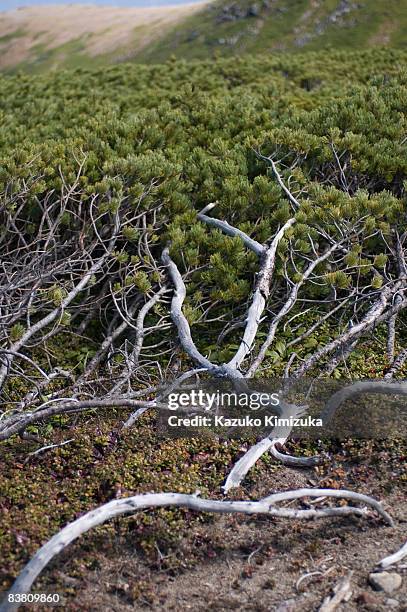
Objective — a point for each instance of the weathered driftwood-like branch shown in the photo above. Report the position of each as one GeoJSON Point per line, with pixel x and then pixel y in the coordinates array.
{"type": "Point", "coordinates": [246, 462]}
{"type": "Point", "coordinates": [291, 460]}
{"type": "Point", "coordinates": [397, 364]}
{"type": "Point", "coordinates": [288, 305]}
{"type": "Point", "coordinates": [279, 179]}
{"type": "Point", "coordinates": [269, 444]}
{"type": "Point", "coordinates": [229, 230]}
{"type": "Point", "coordinates": [277, 438]}
{"type": "Point", "coordinates": [336, 493]}
{"type": "Point", "coordinates": [391, 337]}
{"type": "Point", "coordinates": [178, 317]}
{"type": "Point", "coordinates": [19, 422]}
{"type": "Point", "coordinates": [259, 298]}
{"type": "Point", "coordinates": [394, 558]}
{"type": "Point", "coordinates": [130, 505]}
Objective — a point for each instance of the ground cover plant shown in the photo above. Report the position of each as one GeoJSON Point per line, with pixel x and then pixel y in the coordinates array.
{"type": "Point", "coordinates": [235, 218]}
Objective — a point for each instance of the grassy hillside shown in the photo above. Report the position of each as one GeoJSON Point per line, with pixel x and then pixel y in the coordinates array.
{"type": "Point", "coordinates": [230, 27]}
{"type": "Point", "coordinates": [40, 38]}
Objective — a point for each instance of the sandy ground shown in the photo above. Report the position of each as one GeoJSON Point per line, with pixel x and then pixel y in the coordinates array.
{"type": "Point", "coordinates": [102, 29]}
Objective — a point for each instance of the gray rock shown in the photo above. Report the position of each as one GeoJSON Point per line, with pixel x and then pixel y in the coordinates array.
{"type": "Point", "coordinates": [385, 581]}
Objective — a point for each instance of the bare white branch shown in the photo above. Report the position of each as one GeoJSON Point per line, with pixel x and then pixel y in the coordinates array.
{"type": "Point", "coordinates": [229, 230]}
{"type": "Point", "coordinates": [130, 505]}
{"type": "Point", "coordinates": [394, 558]}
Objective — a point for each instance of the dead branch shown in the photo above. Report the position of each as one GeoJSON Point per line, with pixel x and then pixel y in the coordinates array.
{"type": "Point", "coordinates": [259, 298]}
{"type": "Point", "coordinates": [178, 317]}
{"type": "Point", "coordinates": [229, 230]}
{"type": "Point", "coordinates": [397, 364]}
{"type": "Point", "coordinates": [130, 505]}
{"type": "Point", "coordinates": [279, 179]}
{"type": "Point", "coordinates": [133, 359]}
{"type": "Point", "coordinates": [278, 438]}
{"type": "Point", "coordinates": [288, 305]}
{"type": "Point", "coordinates": [377, 309]}
{"type": "Point", "coordinates": [394, 558]}
{"type": "Point", "coordinates": [19, 422]}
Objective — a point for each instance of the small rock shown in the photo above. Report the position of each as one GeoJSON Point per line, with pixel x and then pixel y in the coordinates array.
{"type": "Point", "coordinates": [385, 581]}
{"type": "Point", "coordinates": [392, 603]}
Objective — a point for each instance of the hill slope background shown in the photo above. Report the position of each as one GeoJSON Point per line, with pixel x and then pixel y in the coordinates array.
{"type": "Point", "coordinates": [39, 38]}
{"type": "Point", "coordinates": [264, 26]}
{"type": "Point", "coordinates": [46, 37]}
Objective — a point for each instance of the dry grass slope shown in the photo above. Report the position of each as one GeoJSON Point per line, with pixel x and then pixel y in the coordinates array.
{"type": "Point", "coordinates": [48, 36]}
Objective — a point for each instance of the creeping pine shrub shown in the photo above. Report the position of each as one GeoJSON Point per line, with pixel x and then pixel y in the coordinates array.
{"type": "Point", "coordinates": [173, 137]}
